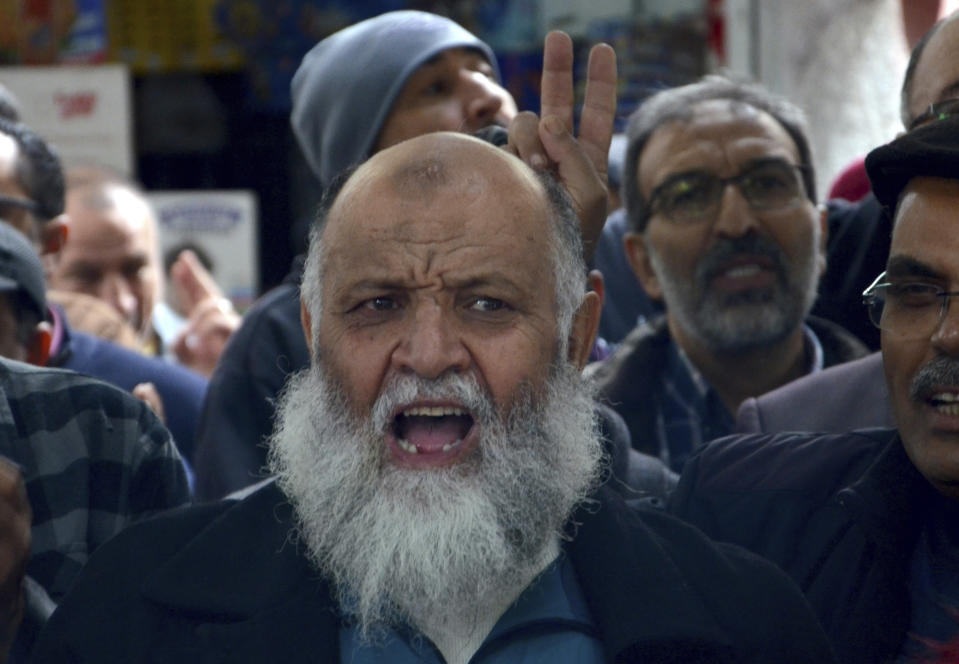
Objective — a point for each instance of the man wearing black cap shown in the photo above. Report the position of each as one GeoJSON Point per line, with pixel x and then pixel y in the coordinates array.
{"type": "Point", "coordinates": [866, 522]}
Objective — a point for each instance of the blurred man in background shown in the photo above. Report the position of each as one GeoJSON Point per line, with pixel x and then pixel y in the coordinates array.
{"type": "Point", "coordinates": [114, 255]}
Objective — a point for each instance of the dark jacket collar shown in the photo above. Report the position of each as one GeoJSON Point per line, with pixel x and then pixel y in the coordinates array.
{"type": "Point", "coordinates": [886, 501]}
{"type": "Point", "coordinates": [639, 575]}
{"type": "Point", "coordinates": [888, 496]}
{"type": "Point", "coordinates": [255, 600]}
{"type": "Point", "coordinates": [618, 560]}
{"type": "Point", "coordinates": [629, 379]}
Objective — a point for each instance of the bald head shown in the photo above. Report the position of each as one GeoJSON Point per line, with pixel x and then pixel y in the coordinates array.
{"type": "Point", "coordinates": [472, 175]}
{"type": "Point", "coordinates": [449, 220]}
{"type": "Point", "coordinates": [440, 164]}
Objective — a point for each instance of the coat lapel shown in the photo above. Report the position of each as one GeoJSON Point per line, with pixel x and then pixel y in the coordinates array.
{"type": "Point", "coordinates": [885, 502]}
{"type": "Point", "coordinates": [635, 591]}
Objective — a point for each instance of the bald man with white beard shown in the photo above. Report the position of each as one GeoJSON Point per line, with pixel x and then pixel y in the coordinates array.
{"type": "Point", "coordinates": [439, 492]}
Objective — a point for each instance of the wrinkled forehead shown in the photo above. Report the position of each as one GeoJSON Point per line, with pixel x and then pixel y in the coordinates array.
{"type": "Point", "coordinates": [717, 116]}
{"type": "Point", "coordinates": [96, 206]}
{"type": "Point", "coordinates": [712, 134]}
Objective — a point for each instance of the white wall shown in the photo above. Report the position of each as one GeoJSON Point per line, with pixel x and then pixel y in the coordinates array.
{"type": "Point", "coordinates": [842, 61]}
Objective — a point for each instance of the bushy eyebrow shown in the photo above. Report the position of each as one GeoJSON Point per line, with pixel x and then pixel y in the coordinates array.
{"type": "Point", "coordinates": [907, 265]}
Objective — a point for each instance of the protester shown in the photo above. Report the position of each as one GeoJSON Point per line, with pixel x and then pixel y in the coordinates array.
{"type": "Point", "coordinates": [114, 255]}
{"type": "Point", "coordinates": [721, 200]}
{"type": "Point", "coordinates": [390, 77]}
{"type": "Point", "coordinates": [854, 395]}
{"type": "Point", "coordinates": [438, 465]}
{"type": "Point", "coordinates": [866, 521]}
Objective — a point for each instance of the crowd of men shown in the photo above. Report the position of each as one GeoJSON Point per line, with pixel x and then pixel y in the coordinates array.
{"type": "Point", "coordinates": [418, 449]}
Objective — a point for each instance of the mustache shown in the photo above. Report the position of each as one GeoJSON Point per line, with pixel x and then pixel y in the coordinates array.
{"type": "Point", "coordinates": [935, 373]}
{"type": "Point", "coordinates": [728, 249]}
{"type": "Point", "coordinates": [404, 389]}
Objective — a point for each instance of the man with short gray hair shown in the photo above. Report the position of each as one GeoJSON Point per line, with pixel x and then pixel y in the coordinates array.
{"type": "Point", "coordinates": [720, 197]}
{"type": "Point", "coordinates": [866, 521]}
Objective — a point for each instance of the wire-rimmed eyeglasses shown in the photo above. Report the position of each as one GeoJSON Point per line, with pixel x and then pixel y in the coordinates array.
{"type": "Point", "coordinates": [696, 196]}
{"type": "Point", "coordinates": [941, 110]}
{"type": "Point", "coordinates": [906, 309]}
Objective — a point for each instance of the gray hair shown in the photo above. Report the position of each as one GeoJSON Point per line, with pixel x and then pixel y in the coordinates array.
{"type": "Point", "coordinates": [676, 105]}
{"type": "Point", "coordinates": [565, 248]}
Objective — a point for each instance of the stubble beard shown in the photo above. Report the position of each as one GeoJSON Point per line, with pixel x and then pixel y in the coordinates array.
{"type": "Point", "coordinates": [402, 546]}
{"type": "Point", "coordinates": [741, 322]}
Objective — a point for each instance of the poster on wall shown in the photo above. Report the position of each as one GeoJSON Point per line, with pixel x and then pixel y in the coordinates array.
{"type": "Point", "coordinates": [83, 111]}
{"type": "Point", "coordinates": [221, 226]}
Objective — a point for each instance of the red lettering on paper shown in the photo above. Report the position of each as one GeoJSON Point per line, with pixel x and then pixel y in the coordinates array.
{"type": "Point", "coordinates": [75, 104]}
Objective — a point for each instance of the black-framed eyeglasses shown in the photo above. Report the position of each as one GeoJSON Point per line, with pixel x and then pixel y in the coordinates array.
{"type": "Point", "coordinates": [938, 111]}
{"type": "Point", "coordinates": [909, 310]}
{"type": "Point", "coordinates": [696, 196]}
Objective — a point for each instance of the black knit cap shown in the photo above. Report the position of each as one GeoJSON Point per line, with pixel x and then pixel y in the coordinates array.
{"type": "Point", "coordinates": [21, 270]}
{"type": "Point", "coordinates": [929, 150]}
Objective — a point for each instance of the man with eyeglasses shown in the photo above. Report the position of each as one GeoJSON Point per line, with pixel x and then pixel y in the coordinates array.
{"type": "Point", "coordinates": [725, 231]}
{"type": "Point", "coordinates": [867, 522]}
{"type": "Point", "coordinates": [854, 395]}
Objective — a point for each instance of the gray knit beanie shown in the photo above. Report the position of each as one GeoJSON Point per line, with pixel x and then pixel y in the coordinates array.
{"type": "Point", "coordinates": [346, 84]}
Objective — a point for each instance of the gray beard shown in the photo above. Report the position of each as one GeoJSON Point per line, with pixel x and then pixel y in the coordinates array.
{"type": "Point", "coordinates": [743, 322]}
{"type": "Point", "coordinates": [408, 546]}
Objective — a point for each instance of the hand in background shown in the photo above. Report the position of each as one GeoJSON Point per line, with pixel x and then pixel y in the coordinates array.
{"type": "Point", "coordinates": [547, 141]}
{"type": "Point", "coordinates": [211, 318]}
{"type": "Point", "coordinates": [147, 393]}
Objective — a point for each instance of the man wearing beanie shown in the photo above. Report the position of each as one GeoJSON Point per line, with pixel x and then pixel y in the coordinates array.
{"type": "Point", "coordinates": [362, 89]}
{"type": "Point", "coordinates": [867, 522]}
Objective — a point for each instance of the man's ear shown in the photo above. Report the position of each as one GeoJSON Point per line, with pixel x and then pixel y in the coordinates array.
{"type": "Point", "coordinates": [38, 348]}
{"type": "Point", "coordinates": [585, 324]}
{"type": "Point", "coordinates": [306, 321]}
{"type": "Point", "coordinates": [634, 244]}
{"type": "Point", "coordinates": [823, 238]}
{"type": "Point", "coordinates": [53, 234]}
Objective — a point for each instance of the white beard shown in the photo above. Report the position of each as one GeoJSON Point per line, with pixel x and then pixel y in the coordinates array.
{"type": "Point", "coordinates": [421, 546]}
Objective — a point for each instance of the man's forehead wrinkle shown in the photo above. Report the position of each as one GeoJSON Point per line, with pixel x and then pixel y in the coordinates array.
{"type": "Point", "coordinates": [420, 178]}
{"type": "Point", "coordinates": [766, 139]}
{"type": "Point", "coordinates": [734, 108]}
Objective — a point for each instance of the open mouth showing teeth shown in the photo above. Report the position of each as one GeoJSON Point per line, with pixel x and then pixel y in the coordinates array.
{"type": "Point", "coordinates": [431, 429]}
{"type": "Point", "coordinates": [742, 271]}
{"type": "Point", "coordinates": [946, 403]}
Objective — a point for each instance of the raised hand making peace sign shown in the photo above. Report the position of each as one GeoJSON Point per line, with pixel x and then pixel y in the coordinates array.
{"type": "Point", "coordinates": [547, 141]}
